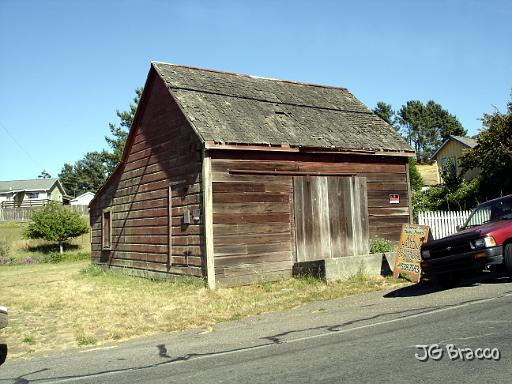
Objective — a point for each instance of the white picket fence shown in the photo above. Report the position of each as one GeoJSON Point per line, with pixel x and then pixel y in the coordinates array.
{"type": "Point", "coordinates": [443, 223]}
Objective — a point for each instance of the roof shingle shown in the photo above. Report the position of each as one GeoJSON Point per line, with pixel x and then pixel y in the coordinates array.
{"type": "Point", "coordinates": [240, 109]}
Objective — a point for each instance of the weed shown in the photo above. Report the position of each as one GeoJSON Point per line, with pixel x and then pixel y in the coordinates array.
{"type": "Point", "coordinates": [92, 270]}
{"type": "Point", "coordinates": [187, 281]}
{"type": "Point", "coordinates": [359, 277]}
{"type": "Point", "coordinates": [379, 245]}
{"type": "Point", "coordinates": [28, 340]}
{"type": "Point", "coordinates": [309, 279]}
{"type": "Point", "coordinates": [83, 339]}
{"type": "Point", "coordinates": [4, 249]}
{"type": "Point", "coordinates": [53, 257]}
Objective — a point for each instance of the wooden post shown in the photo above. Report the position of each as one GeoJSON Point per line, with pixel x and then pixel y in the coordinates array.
{"type": "Point", "coordinates": [169, 245]}
{"type": "Point", "coordinates": [208, 219]}
{"type": "Point", "coordinates": [409, 192]}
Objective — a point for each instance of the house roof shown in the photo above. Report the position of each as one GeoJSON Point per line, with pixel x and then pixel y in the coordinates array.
{"type": "Point", "coordinates": [230, 108]}
{"type": "Point", "coordinates": [465, 141]}
{"type": "Point", "coordinates": [27, 185]}
{"type": "Point", "coordinates": [88, 193]}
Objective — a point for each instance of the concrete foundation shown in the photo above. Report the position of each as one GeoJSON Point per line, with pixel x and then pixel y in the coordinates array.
{"type": "Point", "coordinates": [342, 268]}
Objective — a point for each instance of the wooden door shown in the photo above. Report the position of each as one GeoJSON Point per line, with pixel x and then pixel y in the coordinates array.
{"type": "Point", "coordinates": [331, 217]}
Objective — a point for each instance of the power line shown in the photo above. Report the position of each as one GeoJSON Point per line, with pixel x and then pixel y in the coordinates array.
{"type": "Point", "coordinates": [17, 143]}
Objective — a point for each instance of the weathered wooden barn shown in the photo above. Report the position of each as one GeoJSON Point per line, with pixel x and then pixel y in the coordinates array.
{"type": "Point", "coordinates": [236, 178]}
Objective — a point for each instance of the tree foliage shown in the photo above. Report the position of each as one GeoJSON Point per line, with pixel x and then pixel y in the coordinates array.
{"type": "Point", "coordinates": [87, 174]}
{"type": "Point", "coordinates": [386, 113]}
{"type": "Point", "coordinates": [90, 172]}
{"type": "Point", "coordinates": [493, 154]}
{"type": "Point", "coordinates": [119, 133]}
{"type": "Point", "coordinates": [57, 224]}
{"type": "Point", "coordinates": [426, 126]}
{"type": "Point", "coordinates": [44, 175]}
{"type": "Point", "coordinates": [415, 178]}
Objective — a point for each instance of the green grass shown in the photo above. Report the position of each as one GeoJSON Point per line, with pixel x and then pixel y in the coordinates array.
{"type": "Point", "coordinates": [25, 251]}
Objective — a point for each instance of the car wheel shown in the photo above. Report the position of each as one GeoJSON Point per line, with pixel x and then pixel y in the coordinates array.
{"type": "Point", "coordinates": [507, 258]}
{"type": "Point", "coordinates": [3, 353]}
{"type": "Point", "coordinates": [448, 281]}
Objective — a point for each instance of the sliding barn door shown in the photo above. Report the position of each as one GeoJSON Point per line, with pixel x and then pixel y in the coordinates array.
{"type": "Point", "coordinates": [331, 217]}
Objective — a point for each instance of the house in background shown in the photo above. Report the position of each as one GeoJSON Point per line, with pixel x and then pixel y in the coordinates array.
{"type": "Point", "coordinates": [30, 193]}
{"type": "Point", "coordinates": [451, 151]}
{"type": "Point", "coordinates": [83, 199]}
{"type": "Point", "coordinates": [236, 178]}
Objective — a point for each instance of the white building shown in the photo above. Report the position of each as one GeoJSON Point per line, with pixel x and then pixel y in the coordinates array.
{"type": "Point", "coordinates": [33, 192]}
{"type": "Point", "coordinates": [83, 199]}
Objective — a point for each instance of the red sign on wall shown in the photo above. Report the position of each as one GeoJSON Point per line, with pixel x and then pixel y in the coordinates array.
{"type": "Point", "coordinates": [394, 198]}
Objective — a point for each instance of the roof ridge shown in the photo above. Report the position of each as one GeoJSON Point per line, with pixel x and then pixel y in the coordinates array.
{"type": "Point", "coordinates": [37, 178]}
{"type": "Point", "coordinates": [251, 76]}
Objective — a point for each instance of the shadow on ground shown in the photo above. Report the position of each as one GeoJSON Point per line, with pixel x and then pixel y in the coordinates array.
{"type": "Point", "coordinates": [426, 287]}
{"type": "Point", "coordinates": [51, 248]}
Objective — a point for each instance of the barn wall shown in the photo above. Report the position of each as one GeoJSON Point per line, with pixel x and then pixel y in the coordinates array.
{"type": "Point", "coordinates": [253, 215]}
{"type": "Point", "coordinates": [163, 152]}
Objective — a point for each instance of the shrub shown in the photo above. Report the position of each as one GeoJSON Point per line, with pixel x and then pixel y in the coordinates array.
{"type": "Point", "coordinates": [53, 258]}
{"type": "Point", "coordinates": [57, 224]}
{"type": "Point", "coordinates": [4, 249]}
{"type": "Point", "coordinates": [379, 245]}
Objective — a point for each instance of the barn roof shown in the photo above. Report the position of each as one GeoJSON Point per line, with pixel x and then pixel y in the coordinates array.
{"type": "Point", "coordinates": [230, 108]}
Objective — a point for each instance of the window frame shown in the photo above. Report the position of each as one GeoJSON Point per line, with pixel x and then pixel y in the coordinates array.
{"type": "Point", "coordinates": [35, 195]}
{"type": "Point", "coordinates": [107, 212]}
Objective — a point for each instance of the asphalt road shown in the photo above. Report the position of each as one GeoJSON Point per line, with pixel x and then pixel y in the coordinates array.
{"type": "Point", "coordinates": [371, 338]}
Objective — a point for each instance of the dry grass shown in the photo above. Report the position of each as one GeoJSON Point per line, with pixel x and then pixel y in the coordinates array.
{"type": "Point", "coordinates": [56, 307]}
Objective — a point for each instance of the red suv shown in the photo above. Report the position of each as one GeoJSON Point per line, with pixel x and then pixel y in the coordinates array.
{"type": "Point", "coordinates": [485, 239]}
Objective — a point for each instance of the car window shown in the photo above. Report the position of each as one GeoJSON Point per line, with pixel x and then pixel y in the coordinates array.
{"type": "Point", "coordinates": [495, 210]}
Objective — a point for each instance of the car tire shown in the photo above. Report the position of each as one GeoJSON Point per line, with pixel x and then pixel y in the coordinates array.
{"type": "Point", "coordinates": [507, 258]}
{"type": "Point", "coordinates": [3, 353]}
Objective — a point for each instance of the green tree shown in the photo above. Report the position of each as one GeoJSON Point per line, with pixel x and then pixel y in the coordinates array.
{"type": "Point", "coordinates": [119, 133]}
{"type": "Point", "coordinates": [57, 224]}
{"type": "Point", "coordinates": [386, 113]}
{"type": "Point", "coordinates": [90, 172]}
{"type": "Point", "coordinates": [44, 175]}
{"type": "Point", "coordinates": [493, 154]}
{"type": "Point", "coordinates": [87, 174]}
{"type": "Point", "coordinates": [425, 126]}
{"type": "Point", "coordinates": [415, 178]}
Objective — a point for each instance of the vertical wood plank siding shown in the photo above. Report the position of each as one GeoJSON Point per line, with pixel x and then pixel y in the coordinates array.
{"type": "Point", "coordinates": [331, 217]}
{"type": "Point", "coordinates": [253, 213]}
{"type": "Point", "coordinates": [163, 158]}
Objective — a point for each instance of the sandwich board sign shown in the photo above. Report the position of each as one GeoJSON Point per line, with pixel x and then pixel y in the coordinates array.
{"type": "Point", "coordinates": [408, 255]}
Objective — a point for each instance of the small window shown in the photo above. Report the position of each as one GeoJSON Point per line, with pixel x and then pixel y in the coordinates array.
{"type": "Point", "coordinates": [31, 195]}
{"type": "Point", "coordinates": [106, 229]}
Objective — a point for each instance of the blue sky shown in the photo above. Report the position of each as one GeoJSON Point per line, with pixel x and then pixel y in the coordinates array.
{"type": "Point", "coordinates": [67, 66]}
